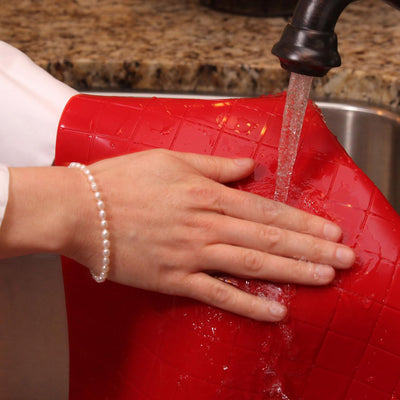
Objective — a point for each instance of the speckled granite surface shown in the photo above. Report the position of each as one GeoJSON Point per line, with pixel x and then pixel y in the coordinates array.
{"type": "Point", "coordinates": [179, 45]}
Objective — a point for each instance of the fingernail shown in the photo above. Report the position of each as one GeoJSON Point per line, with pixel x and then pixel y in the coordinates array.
{"type": "Point", "coordinates": [332, 232]}
{"type": "Point", "coordinates": [324, 273]}
{"type": "Point", "coordinates": [277, 310]}
{"type": "Point", "coordinates": [345, 256]}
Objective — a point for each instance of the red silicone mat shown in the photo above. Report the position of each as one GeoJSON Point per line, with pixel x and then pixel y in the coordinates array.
{"type": "Point", "coordinates": [338, 343]}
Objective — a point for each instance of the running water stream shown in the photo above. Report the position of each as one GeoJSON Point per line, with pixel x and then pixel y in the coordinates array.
{"type": "Point", "coordinates": [293, 116]}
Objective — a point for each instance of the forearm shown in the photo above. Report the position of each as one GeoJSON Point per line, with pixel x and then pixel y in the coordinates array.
{"type": "Point", "coordinates": [30, 108]}
{"type": "Point", "coordinates": [41, 211]}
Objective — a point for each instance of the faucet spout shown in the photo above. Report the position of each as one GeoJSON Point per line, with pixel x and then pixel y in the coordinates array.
{"type": "Point", "coordinates": [308, 44]}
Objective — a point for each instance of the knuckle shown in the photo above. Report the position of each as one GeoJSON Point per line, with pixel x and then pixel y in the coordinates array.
{"type": "Point", "coordinates": [298, 270]}
{"type": "Point", "coordinates": [303, 271]}
{"type": "Point", "coordinates": [271, 235]}
{"type": "Point", "coordinates": [316, 250]}
{"type": "Point", "coordinates": [220, 294]}
{"type": "Point", "coordinates": [160, 154]}
{"type": "Point", "coordinates": [252, 261]}
{"type": "Point", "coordinates": [269, 209]}
{"type": "Point", "coordinates": [253, 307]}
{"type": "Point", "coordinates": [206, 196]}
{"type": "Point", "coordinates": [169, 265]}
{"type": "Point", "coordinates": [159, 157]}
{"type": "Point", "coordinates": [193, 221]}
{"type": "Point", "coordinates": [199, 228]}
{"type": "Point", "coordinates": [216, 166]}
{"type": "Point", "coordinates": [306, 222]}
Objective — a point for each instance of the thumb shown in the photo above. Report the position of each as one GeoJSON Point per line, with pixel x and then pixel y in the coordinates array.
{"type": "Point", "coordinates": [220, 169]}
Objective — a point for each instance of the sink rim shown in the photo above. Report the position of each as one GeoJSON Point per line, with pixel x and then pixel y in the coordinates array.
{"type": "Point", "coordinates": [334, 104]}
{"type": "Point", "coordinates": [359, 106]}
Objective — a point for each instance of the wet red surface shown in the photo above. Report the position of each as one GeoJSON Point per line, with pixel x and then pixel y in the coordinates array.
{"type": "Point", "coordinates": [338, 342]}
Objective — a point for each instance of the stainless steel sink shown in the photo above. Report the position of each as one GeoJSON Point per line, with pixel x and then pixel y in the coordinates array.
{"type": "Point", "coordinates": [371, 136]}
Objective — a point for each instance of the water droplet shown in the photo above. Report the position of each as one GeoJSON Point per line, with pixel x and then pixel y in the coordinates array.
{"type": "Point", "coordinates": [366, 303]}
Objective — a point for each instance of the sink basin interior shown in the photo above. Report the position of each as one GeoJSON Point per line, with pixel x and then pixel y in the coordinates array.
{"type": "Point", "coordinates": [370, 135]}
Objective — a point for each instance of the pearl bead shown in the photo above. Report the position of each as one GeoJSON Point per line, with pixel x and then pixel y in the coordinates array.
{"type": "Point", "coordinates": [105, 234]}
{"type": "Point", "coordinates": [99, 279]}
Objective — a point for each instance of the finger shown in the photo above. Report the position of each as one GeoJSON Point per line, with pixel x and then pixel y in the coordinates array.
{"type": "Point", "coordinates": [281, 242]}
{"type": "Point", "coordinates": [251, 207]}
{"type": "Point", "coordinates": [247, 263]}
{"type": "Point", "coordinates": [214, 292]}
{"type": "Point", "coordinates": [220, 169]}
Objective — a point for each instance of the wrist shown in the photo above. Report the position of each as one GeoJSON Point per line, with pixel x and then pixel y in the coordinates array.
{"type": "Point", "coordinates": [44, 208]}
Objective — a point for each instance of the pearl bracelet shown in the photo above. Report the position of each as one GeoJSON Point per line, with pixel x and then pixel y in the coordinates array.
{"type": "Point", "coordinates": [105, 234]}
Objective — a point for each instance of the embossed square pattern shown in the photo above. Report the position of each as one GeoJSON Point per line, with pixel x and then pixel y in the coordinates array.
{"type": "Point", "coordinates": [340, 342]}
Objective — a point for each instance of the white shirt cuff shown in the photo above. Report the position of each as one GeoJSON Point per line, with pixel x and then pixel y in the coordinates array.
{"type": "Point", "coordinates": [4, 185]}
{"type": "Point", "coordinates": [31, 104]}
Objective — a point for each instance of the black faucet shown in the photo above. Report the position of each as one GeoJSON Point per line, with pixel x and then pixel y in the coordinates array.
{"type": "Point", "coordinates": [308, 44]}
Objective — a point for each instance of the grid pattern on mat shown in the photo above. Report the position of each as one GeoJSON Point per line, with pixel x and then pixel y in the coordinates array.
{"type": "Point", "coordinates": [339, 342]}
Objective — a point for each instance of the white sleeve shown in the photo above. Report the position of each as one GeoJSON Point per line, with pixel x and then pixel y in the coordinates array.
{"type": "Point", "coordinates": [4, 183]}
{"type": "Point", "coordinates": [31, 103]}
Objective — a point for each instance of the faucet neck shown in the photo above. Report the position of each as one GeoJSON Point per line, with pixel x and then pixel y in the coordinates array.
{"type": "Point", "coordinates": [318, 15]}
{"type": "Point", "coordinates": [393, 3]}
{"type": "Point", "coordinates": [309, 44]}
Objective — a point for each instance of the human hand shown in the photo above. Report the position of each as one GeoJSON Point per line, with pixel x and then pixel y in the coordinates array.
{"type": "Point", "coordinates": [173, 224]}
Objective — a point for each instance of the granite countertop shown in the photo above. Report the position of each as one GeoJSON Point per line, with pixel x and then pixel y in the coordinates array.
{"type": "Point", "coordinates": [182, 46]}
